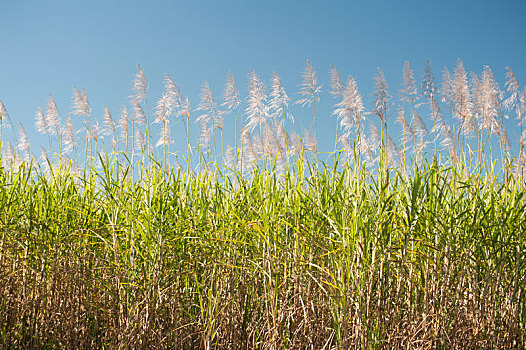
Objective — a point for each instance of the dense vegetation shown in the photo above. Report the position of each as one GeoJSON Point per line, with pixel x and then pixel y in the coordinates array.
{"type": "Point", "coordinates": [389, 246]}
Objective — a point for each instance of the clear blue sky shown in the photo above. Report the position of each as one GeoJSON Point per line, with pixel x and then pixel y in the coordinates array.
{"type": "Point", "coordinates": [47, 47]}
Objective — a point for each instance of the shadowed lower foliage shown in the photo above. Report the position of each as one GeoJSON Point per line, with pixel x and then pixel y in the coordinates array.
{"type": "Point", "coordinates": [335, 260]}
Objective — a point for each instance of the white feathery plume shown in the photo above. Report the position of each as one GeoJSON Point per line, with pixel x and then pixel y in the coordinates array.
{"type": "Point", "coordinates": [17, 161]}
{"type": "Point", "coordinates": [23, 143]}
{"type": "Point", "coordinates": [87, 135]}
{"type": "Point", "coordinates": [503, 134]}
{"type": "Point", "coordinates": [123, 124]}
{"type": "Point", "coordinates": [489, 99]}
{"type": "Point", "coordinates": [44, 158]}
{"type": "Point", "coordinates": [447, 87]}
{"type": "Point", "coordinates": [477, 98]}
{"type": "Point", "coordinates": [9, 152]}
{"type": "Point", "coordinates": [163, 108]}
{"type": "Point", "coordinates": [336, 83]}
{"type": "Point", "coordinates": [172, 91]}
{"type": "Point", "coordinates": [275, 148]}
{"type": "Point", "coordinates": [40, 121]}
{"type": "Point", "coordinates": [232, 101]}
{"type": "Point", "coordinates": [86, 102]}
{"type": "Point", "coordinates": [175, 102]}
{"type": "Point", "coordinates": [462, 99]}
{"type": "Point", "coordinates": [184, 108]}
{"type": "Point", "coordinates": [210, 116]}
{"type": "Point", "coordinates": [309, 88]}
{"type": "Point", "coordinates": [309, 142]}
{"type": "Point", "coordinates": [250, 151]}
{"type": "Point", "coordinates": [282, 135]}
{"type": "Point", "coordinates": [469, 125]}
{"type": "Point", "coordinates": [420, 127]}
{"type": "Point", "coordinates": [409, 91]}
{"type": "Point", "coordinates": [170, 87]}
{"type": "Point", "coordinates": [392, 151]}
{"type": "Point", "coordinates": [344, 137]}
{"type": "Point", "coordinates": [69, 136]}
{"type": "Point", "coordinates": [11, 156]}
{"type": "Point", "coordinates": [428, 82]}
{"type": "Point", "coordinates": [419, 156]}
{"type": "Point", "coordinates": [297, 144]}
{"type": "Point", "coordinates": [207, 105]}
{"type": "Point", "coordinates": [95, 132]}
{"type": "Point", "coordinates": [140, 86]}
{"type": "Point", "coordinates": [108, 123]}
{"type": "Point", "coordinates": [349, 109]}
{"type": "Point", "coordinates": [231, 95]}
{"type": "Point", "coordinates": [109, 128]}
{"type": "Point", "coordinates": [344, 109]}
{"type": "Point", "coordinates": [3, 110]}
{"type": "Point", "coordinates": [440, 128]}
{"type": "Point", "coordinates": [279, 101]}
{"type": "Point", "coordinates": [114, 142]}
{"type": "Point", "coordinates": [81, 104]}
{"type": "Point", "coordinates": [231, 160]}
{"type": "Point", "coordinates": [139, 140]}
{"type": "Point", "coordinates": [382, 97]}
{"type": "Point", "coordinates": [257, 110]}
{"type": "Point", "coordinates": [513, 102]}
{"type": "Point", "coordinates": [447, 139]}
{"type": "Point", "coordinates": [366, 151]}
{"type": "Point", "coordinates": [374, 137]}
{"type": "Point", "coordinates": [406, 128]}
{"type": "Point", "coordinates": [421, 130]}
{"type": "Point", "coordinates": [218, 120]}
{"type": "Point", "coordinates": [346, 145]}
{"type": "Point", "coordinates": [437, 116]}
{"type": "Point", "coordinates": [512, 86]}
{"type": "Point", "coordinates": [4, 116]}
{"type": "Point", "coordinates": [269, 148]}
{"type": "Point", "coordinates": [52, 118]}
{"type": "Point", "coordinates": [407, 131]}
{"type": "Point", "coordinates": [169, 102]}
{"type": "Point", "coordinates": [138, 113]}
{"type": "Point", "coordinates": [204, 135]}
{"type": "Point", "coordinates": [164, 137]}
{"type": "Point", "coordinates": [257, 139]}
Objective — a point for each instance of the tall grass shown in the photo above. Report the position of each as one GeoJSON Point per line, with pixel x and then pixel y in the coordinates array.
{"type": "Point", "coordinates": [271, 248]}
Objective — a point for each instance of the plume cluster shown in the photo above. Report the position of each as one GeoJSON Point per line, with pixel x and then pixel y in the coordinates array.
{"type": "Point", "coordinates": [478, 107]}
